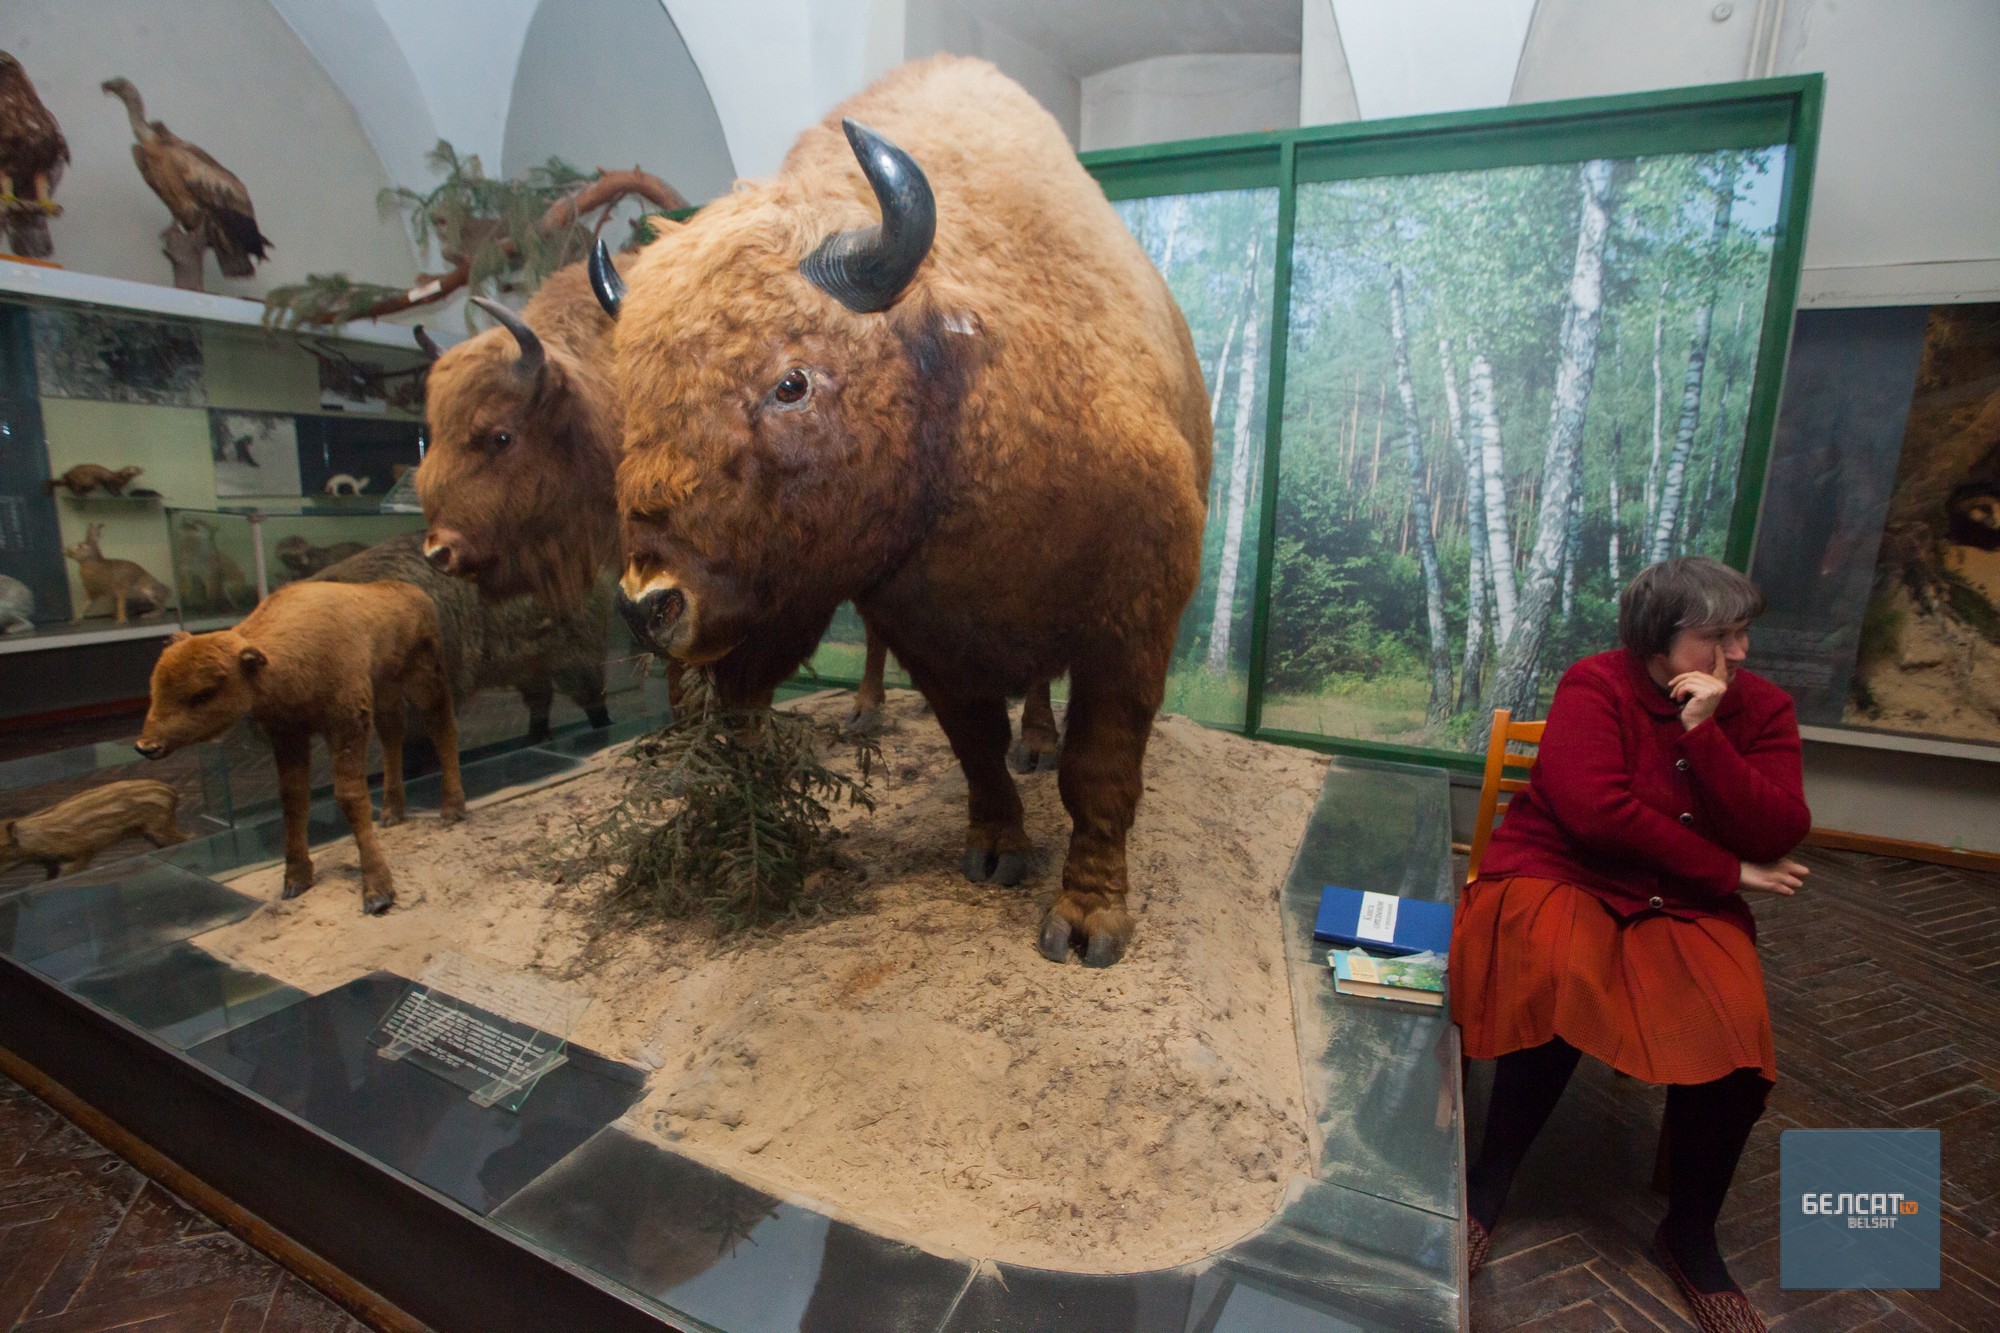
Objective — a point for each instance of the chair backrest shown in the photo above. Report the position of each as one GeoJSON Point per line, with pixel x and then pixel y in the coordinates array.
{"type": "Point", "coordinates": [1497, 783]}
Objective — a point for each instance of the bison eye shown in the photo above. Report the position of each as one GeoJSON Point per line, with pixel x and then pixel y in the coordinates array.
{"type": "Point", "coordinates": [501, 439]}
{"type": "Point", "coordinates": [200, 697]}
{"type": "Point", "coordinates": [793, 388]}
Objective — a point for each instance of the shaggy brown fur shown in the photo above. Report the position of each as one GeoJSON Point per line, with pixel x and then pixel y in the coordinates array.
{"type": "Point", "coordinates": [517, 482]}
{"type": "Point", "coordinates": [521, 643]}
{"type": "Point", "coordinates": [66, 835]}
{"type": "Point", "coordinates": [304, 559]}
{"type": "Point", "coordinates": [325, 658]}
{"type": "Point", "coordinates": [86, 477]}
{"type": "Point", "coordinates": [1006, 471]}
{"type": "Point", "coordinates": [124, 583]}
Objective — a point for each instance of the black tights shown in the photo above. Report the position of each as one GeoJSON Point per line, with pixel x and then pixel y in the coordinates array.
{"type": "Point", "coordinates": [1707, 1126]}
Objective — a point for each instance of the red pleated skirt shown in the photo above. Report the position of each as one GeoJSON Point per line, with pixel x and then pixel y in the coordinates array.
{"type": "Point", "coordinates": [1664, 1000]}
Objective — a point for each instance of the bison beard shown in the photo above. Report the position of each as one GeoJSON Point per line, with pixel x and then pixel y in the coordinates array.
{"type": "Point", "coordinates": [1005, 469]}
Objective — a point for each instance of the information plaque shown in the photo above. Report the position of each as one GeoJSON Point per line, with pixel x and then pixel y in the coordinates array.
{"type": "Point", "coordinates": [488, 1029]}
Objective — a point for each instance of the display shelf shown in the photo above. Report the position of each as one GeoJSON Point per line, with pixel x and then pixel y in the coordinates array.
{"type": "Point", "coordinates": [55, 284]}
{"type": "Point", "coordinates": [1903, 742]}
{"type": "Point", "coordinates": [96, 630]}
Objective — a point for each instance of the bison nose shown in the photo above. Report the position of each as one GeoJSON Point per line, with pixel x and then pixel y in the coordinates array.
{"type": "Point", "coordinates": [150, 749]}
{"type": "Point", "coordinates": [651, 618]}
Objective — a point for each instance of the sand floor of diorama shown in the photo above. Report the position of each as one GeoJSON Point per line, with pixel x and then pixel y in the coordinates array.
{"type": "Point", "coordinates": [913, 1063]}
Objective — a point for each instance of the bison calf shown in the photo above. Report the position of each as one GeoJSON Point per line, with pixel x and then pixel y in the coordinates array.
{"type": "Point", "coordinates": [66, 835]}
{"type": "Point", "coordinates": [326, 658]}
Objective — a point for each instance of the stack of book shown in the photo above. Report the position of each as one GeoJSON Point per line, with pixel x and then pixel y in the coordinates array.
{"type": "Point", "coordinates": [1414, 980]}
{"type": "Point", "coordinates": [1417, 933]}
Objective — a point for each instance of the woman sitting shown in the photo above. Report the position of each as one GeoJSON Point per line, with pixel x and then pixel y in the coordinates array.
{"type": "Point", "coordinates": [1608, 915]}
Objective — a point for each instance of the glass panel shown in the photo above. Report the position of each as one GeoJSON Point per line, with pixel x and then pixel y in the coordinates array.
{"type": "Point", "coordinates": [712, 1248]}
{"type": "Point", "coordinates": [1929, 654]}
{"type": "Point", "coordinates": [1218, 252]}
{"type": "Point", "coordinates": [81, 925]}
{"type": "Point", "coordinates": [1848, 383]}
{"type": "Point", "coordinates": [314, 1059]}
{"type": "Point", "coordinates": [183, 994]}
{"type": "Point", "coordinates": [1381, 1078]}
{"type": "Point", "coordinates": [1485, 440]}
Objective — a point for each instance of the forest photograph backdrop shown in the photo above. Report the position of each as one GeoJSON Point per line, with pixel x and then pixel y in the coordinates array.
{"type": "Point", "coordinates": [1506, 391]}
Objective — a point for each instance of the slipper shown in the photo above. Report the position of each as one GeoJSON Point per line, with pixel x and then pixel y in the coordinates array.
{"type": "Point", "coordinates": [1714, 1311]}
{"type": "Point", "coordinates": [1477, 1241]}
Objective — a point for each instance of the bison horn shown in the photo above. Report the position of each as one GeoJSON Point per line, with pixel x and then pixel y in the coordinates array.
{"type": "Point", "coordinates": [867, 270]}
{"type": "Point", "coordinates": [428, 343]}
{"type": "Point", "coordinates": [529, 364]}
{"type": "Point", "coordinates": [604, 280]}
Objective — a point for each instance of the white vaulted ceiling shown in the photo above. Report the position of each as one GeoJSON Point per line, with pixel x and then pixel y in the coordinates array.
{"type": "Point", "coordinates": [1090, 36]}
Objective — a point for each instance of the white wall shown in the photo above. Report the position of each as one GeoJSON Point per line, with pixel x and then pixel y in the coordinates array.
{"type": "Point", "coordinates": [933, 26]}
{"type": "Point", "coordinates": [1326, 85]}
{"type": "Point", "coordinates": [1412, 57]}
{"type": "Point", "coordinates": [609, 83]}
{"type": "Point", "coordinates": [230, 76]}
{"type": "Point", "coordinates": [1189, 97]}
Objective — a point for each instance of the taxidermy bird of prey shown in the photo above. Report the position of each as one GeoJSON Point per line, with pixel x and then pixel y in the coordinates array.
{"type": "Point", "coordinates": [32, 157]}
{"type": "Point", "coordinates": [199, 191]}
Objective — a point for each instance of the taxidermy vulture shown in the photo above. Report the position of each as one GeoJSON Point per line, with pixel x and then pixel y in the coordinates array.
{"type": "Point", "coordinates": [32, 157]}
{"type": "Point", "coordinates": [204, 197]}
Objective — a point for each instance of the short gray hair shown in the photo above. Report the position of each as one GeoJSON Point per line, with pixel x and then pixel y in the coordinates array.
{"type": "Point", "coordinates": [1687, 592]}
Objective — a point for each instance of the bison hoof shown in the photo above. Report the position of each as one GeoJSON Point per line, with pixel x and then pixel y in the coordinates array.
{"type": "Point", "coordinates": [865, 722]}
{"type": "Point", "coordinates": [390, 818]}
{"type": "Point", "coordinates": [451, 814]}
{"type": "Point", "coordinates": [375, 903]}
{"type": "Point", "coordinates": [1003, 868]}
{"type": "Point", "coordinates": [297, 881]}
{"type": "Point", "coordinates": [1100, 934]}
{"type": "Point", "coordinates": [1035, 755]}
{"type": "Point", "coordinates": [1055, 939]}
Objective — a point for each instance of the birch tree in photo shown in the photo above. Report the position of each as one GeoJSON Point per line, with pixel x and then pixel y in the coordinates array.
{"type": "Point", "coordinates": [1439, 706]}
{"type": "Point", "coordinates": [1516, 682]}
{"type": "Point", "coordinates": [1652, 495]}
{"type": "Point", "coordinates": [1573, 541]}
{"type": "Point", "coordinates": [1611, 555]}
{"type": "Point", "coordinates": [1483, 419]}
{"type": "Point", "coordinates": [1675, 479]}
{"type": "Point", "coordinates": [1238, 499]}
{"type": "Point", "coordinates": [1478, 579]}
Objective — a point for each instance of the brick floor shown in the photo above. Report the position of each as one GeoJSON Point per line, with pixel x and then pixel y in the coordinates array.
{"type": "Point", "coordinates": [1884, 980]}
{"type": "Point", "coordinates": [88, 1244]}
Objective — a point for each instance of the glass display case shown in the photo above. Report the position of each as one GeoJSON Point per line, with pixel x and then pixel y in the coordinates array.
{"type": "Point", "coordinates": [227, 557]}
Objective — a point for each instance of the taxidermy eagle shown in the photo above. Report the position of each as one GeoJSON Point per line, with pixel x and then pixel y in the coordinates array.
{"type": "Point", "coordinates": [32, 157]}
{"type": "Point", "coordinates": [202, 194]}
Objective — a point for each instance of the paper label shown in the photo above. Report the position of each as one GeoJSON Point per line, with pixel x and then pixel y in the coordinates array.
{"type": "Point", "coordinates": [1360, 967]}
{"type": "Point", "coordinates": [1378, 918]}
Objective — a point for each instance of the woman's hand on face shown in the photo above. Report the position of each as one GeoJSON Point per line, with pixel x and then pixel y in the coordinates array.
{"type": "Point", "coordinates": [1700, 692]}
{"type": "Point", "coordinates": [1783, 877]}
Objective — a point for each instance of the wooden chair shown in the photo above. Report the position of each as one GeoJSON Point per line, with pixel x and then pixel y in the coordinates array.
{"type": "Point", "coordinates": [1496, 783]}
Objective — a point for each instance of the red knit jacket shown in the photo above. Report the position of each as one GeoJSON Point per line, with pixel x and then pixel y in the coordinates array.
{"type": "Point", "coordinates": [1625, 803]}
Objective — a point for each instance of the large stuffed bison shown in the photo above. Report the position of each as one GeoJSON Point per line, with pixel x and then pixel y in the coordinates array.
{"type": "Point", "coordinates": [926, 369]}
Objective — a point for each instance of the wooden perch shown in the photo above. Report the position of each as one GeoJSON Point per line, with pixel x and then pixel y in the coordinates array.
{"type": "Point", "coordinates": [609, 188]}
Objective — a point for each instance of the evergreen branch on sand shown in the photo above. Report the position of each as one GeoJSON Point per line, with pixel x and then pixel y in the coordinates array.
{"type": "Point", "coordinates": [727, 815]}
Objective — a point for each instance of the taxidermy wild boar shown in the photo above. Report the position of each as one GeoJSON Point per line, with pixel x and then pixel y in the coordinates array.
{"type": "Point", "coordinates": [67, 834]}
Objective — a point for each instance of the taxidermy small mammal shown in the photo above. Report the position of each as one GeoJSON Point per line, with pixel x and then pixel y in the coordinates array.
{"type": "Point", "coordinates": [17, 606]}
{"type": "Point", "coordinates": [210, 579]}
{"type": "Point", "coordinates": [330, 659]}
{"type": "Point", "coordinates": [122, 582]}
{"type": "Point", "coordinates": [345, 483]}
{"type": "Point", "coordinates": [304, 559]}
{"type": "Point", "coordinates": [86, 477]}
{"type": "Point", "coordinates": [66, 835]}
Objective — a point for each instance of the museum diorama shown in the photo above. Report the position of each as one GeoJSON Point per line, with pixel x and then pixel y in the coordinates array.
{"type": "Point", "coordinates": [883, 746]}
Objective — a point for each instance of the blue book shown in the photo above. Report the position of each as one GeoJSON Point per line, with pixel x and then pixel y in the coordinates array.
{"type": "Point", "coordinates": [1382, 922]}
